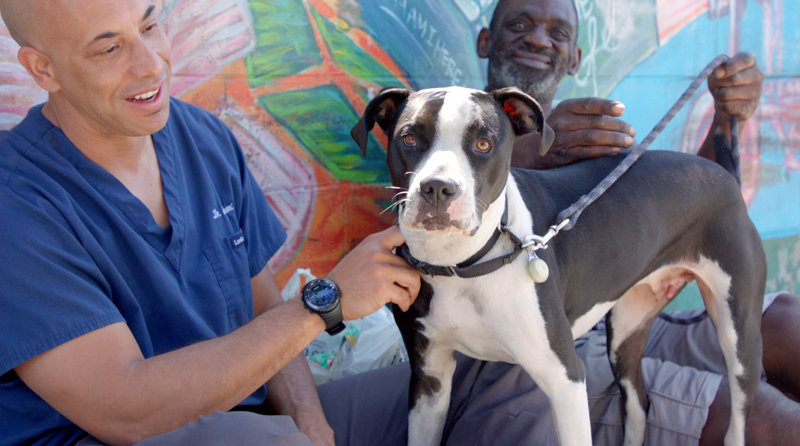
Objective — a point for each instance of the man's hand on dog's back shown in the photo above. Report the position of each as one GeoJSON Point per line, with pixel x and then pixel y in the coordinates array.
{"type": "Point", "coordinates": [584, 128]}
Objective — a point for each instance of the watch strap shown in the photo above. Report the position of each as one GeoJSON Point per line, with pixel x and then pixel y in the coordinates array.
{"type": "Point", "coordinates": [333, 319]}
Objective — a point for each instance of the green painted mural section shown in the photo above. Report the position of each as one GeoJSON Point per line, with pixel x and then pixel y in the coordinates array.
{"type": "Point", "coordinates": [351, 58]}
{"type": "Point", "coordinates": [320, 119]}
{"type": "Point", "coordinates": [284, 42]}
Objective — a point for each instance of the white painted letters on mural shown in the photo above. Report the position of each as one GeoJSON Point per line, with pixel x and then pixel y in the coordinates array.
{"type": "Point", "coordinates": [429, 37]}
{"type": "Point", "coordinates": [617, 25]}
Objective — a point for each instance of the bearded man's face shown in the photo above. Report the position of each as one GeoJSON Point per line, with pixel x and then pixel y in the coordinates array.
{"type": "Point", "coordinates": [532, 46]}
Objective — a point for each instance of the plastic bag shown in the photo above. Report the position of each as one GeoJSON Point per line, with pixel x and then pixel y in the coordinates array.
{"type": "Point", "coordinates": [368, 343]}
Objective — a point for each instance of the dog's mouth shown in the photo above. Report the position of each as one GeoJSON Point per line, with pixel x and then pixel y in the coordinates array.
{"type": "Point", "coordinates": [438, 222]}
{"type": "Point", "coordinates": [442, 223]}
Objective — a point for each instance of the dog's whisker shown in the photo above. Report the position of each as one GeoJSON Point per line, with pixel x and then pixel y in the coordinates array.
{"type": "Point", "coordinates": [390, 207]}
{"type": "Point", "coordinates": [394, 205]}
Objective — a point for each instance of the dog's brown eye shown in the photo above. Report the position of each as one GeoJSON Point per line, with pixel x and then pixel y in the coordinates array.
{"type": "Point", "coordinates": [483, 145]}
{"type": "Point", "coordinates": [410, 140]}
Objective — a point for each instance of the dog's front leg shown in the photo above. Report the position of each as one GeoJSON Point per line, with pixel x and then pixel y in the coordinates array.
{"type": "Point", "coordinates": [557, 369]}
{"type": "Point", "coordinates": [429, 394]}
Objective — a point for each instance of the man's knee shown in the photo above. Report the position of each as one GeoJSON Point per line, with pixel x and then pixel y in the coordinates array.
{"type": "Point", "coordinates": [773, 418]}
{"type": "Point", "coordinates": [781, 340]}
{"type": "Point", "coordinates": [780, 318]}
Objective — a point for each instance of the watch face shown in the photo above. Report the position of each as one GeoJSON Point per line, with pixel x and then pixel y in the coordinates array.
{"type": "Point", "coordinates": [321, 294]}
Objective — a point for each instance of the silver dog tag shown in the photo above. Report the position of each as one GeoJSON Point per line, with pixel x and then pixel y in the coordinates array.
{"type": "Point", "coordinates": [537, 267]}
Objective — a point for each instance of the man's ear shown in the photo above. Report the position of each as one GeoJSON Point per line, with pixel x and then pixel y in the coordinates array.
{"type": "Point", "coordinates": [525, 114]}
{"type": "Point", "coordinates": [381, 109]}
{"type": "Point", "coordinates": [483, 43]}
{"type": "Point", "coordinates": [575, 63]}
{"type": "Point", "coordinates": [40, 67]}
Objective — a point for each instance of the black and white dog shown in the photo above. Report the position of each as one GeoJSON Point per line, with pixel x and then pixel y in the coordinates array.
{"type": "Point", "coordinates": [672, 218]}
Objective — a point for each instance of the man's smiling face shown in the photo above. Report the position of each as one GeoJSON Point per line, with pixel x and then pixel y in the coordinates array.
{"type": "Point", "coordinates": [112, 62]}
{"type": "Point", "coordinates": [532, 46]}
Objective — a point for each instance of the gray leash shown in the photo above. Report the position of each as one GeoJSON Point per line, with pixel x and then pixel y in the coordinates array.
{"type": "Point", "coordinates": [568, 217]}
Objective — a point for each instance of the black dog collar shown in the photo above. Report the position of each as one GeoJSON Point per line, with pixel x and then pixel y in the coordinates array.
{"type": "Point", "coordinates": [467, 269]}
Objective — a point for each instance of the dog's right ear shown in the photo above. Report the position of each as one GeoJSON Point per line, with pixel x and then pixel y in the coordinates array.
{"type": "Point", "coordinates": [381, 109]}
{"type": "Point", "coordinates": [526, 115]}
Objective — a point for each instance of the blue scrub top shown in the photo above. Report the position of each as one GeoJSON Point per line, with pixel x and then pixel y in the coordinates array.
{"type": "Point", "coordinates": [78, 252]}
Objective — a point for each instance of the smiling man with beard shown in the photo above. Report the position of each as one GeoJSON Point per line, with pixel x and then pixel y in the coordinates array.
{"type": "Point", "coordinates": [531, 45]}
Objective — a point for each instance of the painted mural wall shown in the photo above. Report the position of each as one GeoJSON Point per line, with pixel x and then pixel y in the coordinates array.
{"type": "Point", "coordinates": [290, 78]}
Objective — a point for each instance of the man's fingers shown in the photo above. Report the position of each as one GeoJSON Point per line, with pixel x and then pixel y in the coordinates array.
{"type": "Point", "coordinates": [403, 298]}
{"type": "Point", "coordinates": [735, 64]}
{"type": "Point", "coordinates": [568, 123]}
{"type": "Point", "coordinates": [742, 109]}
{"type": "Point", "coordinates": [747, 76]}
{"type": "Point", "coordinates": [738, 93]}
{"type": "Point", "coordinates": [592, 137]}
{"type": "Point", "coordinates": [594, 106]}
{"type": "Point", "coordinates": [406, 289]}
{"type": "Point", "coordinates": [391, 237]}
{"type": "Point", "coordinates": [598, 151]}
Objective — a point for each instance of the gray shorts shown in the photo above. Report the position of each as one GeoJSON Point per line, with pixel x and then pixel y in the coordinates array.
{"type": "Point", "coordinates": [682, 369]}
{"type": "Point", "coordinates": [227, 429]}
{"type": "Point", "coordinates": [498, 403]}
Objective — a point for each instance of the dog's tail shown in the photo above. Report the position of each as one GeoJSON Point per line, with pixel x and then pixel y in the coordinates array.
{"type": "Point", "coordinates": [726, 151]}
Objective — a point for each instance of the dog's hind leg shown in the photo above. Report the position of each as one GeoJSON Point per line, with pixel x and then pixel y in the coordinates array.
{"type": "Point", "coordinates": [733, 302]}
{"type": "Point", "coordinates": [627, 330]}
{"type": "Point", "coordinates": [429, 394]}
{"type": "Point", "coordinates": [627, 327]}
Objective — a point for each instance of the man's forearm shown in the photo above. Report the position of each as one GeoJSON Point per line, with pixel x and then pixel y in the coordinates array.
{"type": "Point", "coordinates": [123, 399]}
{"type": "Point", "coordinates": [233, 366]}
{"type": "Point", "coordinates": [292, 392]}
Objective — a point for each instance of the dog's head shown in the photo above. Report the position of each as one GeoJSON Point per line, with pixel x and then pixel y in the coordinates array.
{"type": "Point", "coordinates": [450, 149]}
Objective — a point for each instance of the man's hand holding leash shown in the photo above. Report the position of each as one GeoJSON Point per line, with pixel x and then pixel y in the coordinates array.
{"type": "Point", "coordinates": [736, 88]}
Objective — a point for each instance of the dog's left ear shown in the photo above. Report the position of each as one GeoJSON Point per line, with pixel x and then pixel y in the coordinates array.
{"type": "Point", "coordinates": [381, 109]}
{"type": "Point", "coordinates": [526, 115]}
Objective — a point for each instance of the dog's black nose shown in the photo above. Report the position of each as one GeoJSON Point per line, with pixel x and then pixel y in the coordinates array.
{"type": "Point", "coordinates": [438, 192]}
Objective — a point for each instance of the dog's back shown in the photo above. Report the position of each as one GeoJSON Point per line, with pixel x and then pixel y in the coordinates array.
{"type": "Point", "coordinates": [667, 206]}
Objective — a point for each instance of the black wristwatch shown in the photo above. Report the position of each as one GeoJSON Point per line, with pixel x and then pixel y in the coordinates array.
{"type": "Point", "coordinates": [322, 296]}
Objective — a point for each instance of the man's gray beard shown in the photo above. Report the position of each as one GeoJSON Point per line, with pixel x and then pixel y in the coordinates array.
{"type": "Point", "coordinates": [541, 86]}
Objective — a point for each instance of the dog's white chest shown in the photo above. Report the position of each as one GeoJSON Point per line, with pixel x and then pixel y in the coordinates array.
{"type": "Point", "coordinates": [485, 317]}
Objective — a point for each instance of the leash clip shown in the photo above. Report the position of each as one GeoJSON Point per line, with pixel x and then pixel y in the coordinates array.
{"type": "Point", "coordinates": [533, 242]}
